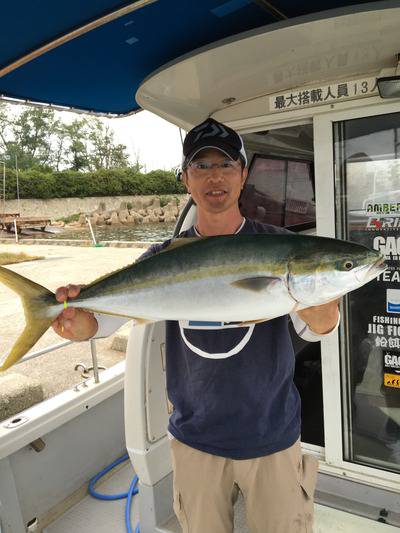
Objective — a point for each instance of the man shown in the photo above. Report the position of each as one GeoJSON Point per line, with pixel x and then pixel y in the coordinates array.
{"type": "Point", "coordinates": [236, 419]}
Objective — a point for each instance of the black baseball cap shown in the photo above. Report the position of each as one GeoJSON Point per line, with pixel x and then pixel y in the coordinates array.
{"type": "Point", "coordinates": [213, 134]}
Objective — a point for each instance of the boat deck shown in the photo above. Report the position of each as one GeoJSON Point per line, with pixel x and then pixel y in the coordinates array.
{"type": "Point", "coordinates": [104, 516]}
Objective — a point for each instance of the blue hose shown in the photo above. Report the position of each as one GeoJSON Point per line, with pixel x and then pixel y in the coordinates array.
{"type": "Point", "coordinates": [131, 492]}
{"type": "Point", "coordinates": [128, 495]}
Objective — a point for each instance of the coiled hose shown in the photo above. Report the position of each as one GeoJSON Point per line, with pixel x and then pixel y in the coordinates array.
{"type": "Point", "coordinates": [128, 495]}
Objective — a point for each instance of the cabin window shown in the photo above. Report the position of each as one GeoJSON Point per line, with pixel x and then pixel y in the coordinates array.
{"type": "Point", "coordinates": [280, 187]}
{"type": "Point", "coordinates": [367, 181]}
{"type": "Point", "coordinates": [280, 190]}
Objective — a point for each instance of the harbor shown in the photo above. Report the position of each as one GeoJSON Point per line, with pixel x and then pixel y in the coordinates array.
{"type": "Point", "coordinates": [151, 232]}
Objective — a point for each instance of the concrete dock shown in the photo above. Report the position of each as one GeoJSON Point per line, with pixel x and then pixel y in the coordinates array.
{"type": "Point", "coordinates": [53, 372]}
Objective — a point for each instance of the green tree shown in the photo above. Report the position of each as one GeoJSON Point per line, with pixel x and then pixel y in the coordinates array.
{"type": "Point", "coordinates": [5, 127]}
{"type": "Point", "coordinates": [137, 165]}
{"type": "Point", "coordinates": [76, 135]}
{"type": "Point", "coordinates": [33, 131]}
{"type": "Point", "coordinates": [60, 148]}
{"type": "Point", "coordinates": [119, 157]}
{"type": "Point", "coordinates": [104, 152]}
{"type": "Point", "coordinates": [37, 139]}
{"type": "Point", "coordinates": [9, 149]}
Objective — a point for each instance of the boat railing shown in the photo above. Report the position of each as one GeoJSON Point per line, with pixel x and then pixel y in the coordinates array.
{"type": "Point", "coordinates": [93, 349]}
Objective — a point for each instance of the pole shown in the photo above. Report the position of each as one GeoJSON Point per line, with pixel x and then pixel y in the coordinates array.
{"type": "Point", "coordinates": [16, 230]}
{"type": "Point", "coordinates": [91, 230]}
{"type": "Point", "coordinates": [17, 176]}
{"type": "Point", "coordinates": [4, 187]}
{"type": "Point", "coordinates": [94, 360]}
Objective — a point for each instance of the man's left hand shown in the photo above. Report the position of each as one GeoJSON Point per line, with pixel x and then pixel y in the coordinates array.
{"type": "Point", "coordinates": [321, 319]}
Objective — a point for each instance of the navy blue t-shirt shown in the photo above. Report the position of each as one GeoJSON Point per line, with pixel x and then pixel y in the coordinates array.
{"type": "Point", "coordinates": [243, 404]}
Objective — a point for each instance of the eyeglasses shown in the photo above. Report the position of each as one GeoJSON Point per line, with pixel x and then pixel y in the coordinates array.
{"type": "Point", "coordinates": [201, 167]}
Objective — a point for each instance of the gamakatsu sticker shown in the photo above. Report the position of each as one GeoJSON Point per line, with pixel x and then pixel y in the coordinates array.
{"type": "Point", "coordinates": [391, 380]}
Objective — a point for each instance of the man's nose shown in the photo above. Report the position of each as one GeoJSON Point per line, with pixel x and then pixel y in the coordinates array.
{"type": "Point", "coordinates": [215, 173]}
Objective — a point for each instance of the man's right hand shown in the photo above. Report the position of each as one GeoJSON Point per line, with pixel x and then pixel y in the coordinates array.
{"type": "Point", "coordinates": [73, 324]}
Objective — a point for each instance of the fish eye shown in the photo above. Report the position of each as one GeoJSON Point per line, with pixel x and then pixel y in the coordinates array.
{"type": "Point", "coordinates": [345, 265]}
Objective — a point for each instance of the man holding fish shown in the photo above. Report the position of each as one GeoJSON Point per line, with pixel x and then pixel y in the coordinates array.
{"type": "Point", "coordinates": [225, 288]}
{"type": "Point", "coordinates": [241, 449]}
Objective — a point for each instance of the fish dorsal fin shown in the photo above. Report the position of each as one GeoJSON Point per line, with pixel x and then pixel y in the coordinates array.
{"type": "Point", "coordinates": [181, 241]}
{"type": "Point", "coordinates": [175, 243]}
{"type": "Point", "coordinates": [256, 284]}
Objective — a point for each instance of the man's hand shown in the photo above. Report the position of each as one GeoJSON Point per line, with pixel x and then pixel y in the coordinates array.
{"type": "Point", "coordinates": [73, 324]}
{"type": "Point", "coordinates": [321, 319]}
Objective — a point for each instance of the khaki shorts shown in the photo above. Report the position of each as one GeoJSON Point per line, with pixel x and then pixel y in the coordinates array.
{"type": "Point", "coordinates": [278, 490]}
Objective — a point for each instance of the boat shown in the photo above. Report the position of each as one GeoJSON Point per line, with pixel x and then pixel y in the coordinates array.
{"type": "Point", "coordinates": [315, 91]}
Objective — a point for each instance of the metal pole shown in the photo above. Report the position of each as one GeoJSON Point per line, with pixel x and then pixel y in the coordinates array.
{"type": "Point", "coordinates": [51, 348]}
{"type": "Point", "coordinates": [4, 187]}
{"type": "Point", "coordinates": [94, 360]}
{"type": "Point", "coordinates": [17, 176]}
{"type": "Point", "coordinates": [16, 230]}
{"type": "Point", "coordinates": [91, 230]}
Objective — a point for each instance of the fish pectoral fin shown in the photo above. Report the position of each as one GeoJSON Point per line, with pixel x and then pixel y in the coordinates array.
{"type": "Point", "coordinates": [251, 322]}
{"type": "Point", "coordinates": [256, 284]}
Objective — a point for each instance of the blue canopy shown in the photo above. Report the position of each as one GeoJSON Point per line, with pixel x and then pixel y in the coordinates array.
{"type": "Point", "coordinates": [79, 54]}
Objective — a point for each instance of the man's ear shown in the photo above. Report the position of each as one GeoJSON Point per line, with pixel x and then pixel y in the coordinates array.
{"type": "Point", "coordinates": [244, 176]}
{"type": "Point", "coordinates": [185, 180]}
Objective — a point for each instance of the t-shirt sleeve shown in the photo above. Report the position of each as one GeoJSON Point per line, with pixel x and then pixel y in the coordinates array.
{"type": "Point", "coordinates": [305, 332]}
{"type": "Point", "coordinates": [108, 324]}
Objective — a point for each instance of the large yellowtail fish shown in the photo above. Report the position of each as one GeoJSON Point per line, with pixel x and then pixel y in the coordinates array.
{"type": "Point", "coordinates": [241, 278]}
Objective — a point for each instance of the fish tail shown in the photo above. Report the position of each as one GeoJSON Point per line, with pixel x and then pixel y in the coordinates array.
{"type": "Point", "coordinates": [36, 301]}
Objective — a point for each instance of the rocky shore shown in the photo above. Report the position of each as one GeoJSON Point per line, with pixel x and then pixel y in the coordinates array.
{"type": "Point", "coordinates": [64, 208]}
{"type": "Point", "coordinates": [138, 210]}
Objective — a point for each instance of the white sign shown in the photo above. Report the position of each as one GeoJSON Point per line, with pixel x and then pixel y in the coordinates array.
{"type": "Point", "coordinates": [393, 300]}
{"type": "Point", "coordinates": [334, 92]}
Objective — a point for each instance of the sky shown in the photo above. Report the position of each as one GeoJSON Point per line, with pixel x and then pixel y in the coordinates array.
{"type": "Point", "coordinates": [156, 142]}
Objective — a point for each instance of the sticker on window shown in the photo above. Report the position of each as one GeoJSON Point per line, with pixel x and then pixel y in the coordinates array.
{"type": "Point", "coordinates": [393, 300]}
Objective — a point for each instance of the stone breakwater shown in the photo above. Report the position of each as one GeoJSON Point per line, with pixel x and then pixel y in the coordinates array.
{"type": "Point", "coordinates": [56, 208]}
{"type": "Point", "coordinates": [138, 210]}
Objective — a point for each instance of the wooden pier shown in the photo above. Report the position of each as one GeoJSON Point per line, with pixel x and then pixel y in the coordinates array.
{"type": "Point", "coordinates": [13, 221]}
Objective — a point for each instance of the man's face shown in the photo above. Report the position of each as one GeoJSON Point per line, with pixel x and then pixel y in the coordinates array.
{"type": "Point", "coordinates": [214, 189]}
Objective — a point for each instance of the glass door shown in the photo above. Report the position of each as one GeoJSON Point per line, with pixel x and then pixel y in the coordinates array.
{"type": "Point", "coordinates": [367, 186]}
{"type": "Point", "coordinates": [357, 173]}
